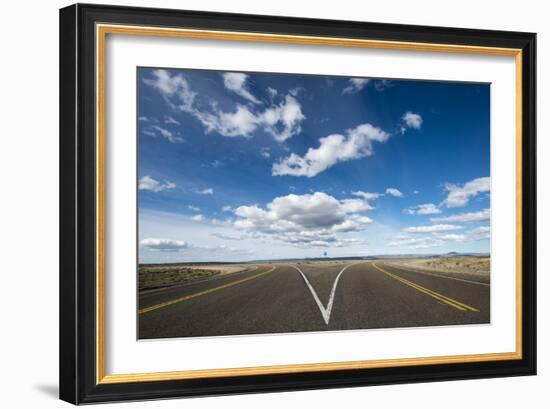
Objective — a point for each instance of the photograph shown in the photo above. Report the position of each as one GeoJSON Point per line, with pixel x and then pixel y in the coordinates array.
{"type": "Point", "coordinates": [276, 203]}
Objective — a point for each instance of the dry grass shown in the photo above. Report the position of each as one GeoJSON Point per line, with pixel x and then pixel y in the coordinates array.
{"type": "Point", "coordinates": [467, 266]}
{"type": "Point", "coordinates": [166, 275]}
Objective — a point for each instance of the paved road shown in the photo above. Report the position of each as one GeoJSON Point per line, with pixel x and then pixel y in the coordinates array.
{"type": "Point", "coordinates": [274, 298]}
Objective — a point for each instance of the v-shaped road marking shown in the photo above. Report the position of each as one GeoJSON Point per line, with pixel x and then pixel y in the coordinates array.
{"type": "Point", "coordinates": [325, 311]}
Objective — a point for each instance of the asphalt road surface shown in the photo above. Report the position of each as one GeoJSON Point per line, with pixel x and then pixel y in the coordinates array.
{"type": "Point", "coordinates": [277, 298]}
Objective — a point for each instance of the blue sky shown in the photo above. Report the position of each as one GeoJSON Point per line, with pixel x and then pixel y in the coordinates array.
{"type": "Point", "coordinates": [244, 166]}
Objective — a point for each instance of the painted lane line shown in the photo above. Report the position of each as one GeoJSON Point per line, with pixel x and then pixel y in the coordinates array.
{"type": "Point", "coordinates": [440, 297]}
{"type": "Point", "coordinates": [324, 314]}
{"type": "Point", "coordinates": [333, 291]}
{"type": "Point", "coordinates": [325, 311]}
{"type": "Point", "coordinates": [412, 270]}
{"type": "Point", "coordinates": [201, 293]}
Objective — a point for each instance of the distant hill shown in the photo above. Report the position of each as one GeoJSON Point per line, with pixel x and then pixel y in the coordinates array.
{"type": "Point", "coordinates": [289, 260]}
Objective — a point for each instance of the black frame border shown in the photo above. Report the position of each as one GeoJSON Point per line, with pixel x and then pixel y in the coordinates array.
{"type": "Point", "coordinates": [78, 210]}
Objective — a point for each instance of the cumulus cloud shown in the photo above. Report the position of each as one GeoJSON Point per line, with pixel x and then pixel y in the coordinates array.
{"type": "Point", "coordinates": [355, 85]}
{"type": "Point", "coordinates": [159, 244]}
{"type": "Point", "coordinates": [236, 82]}
{"type": "Point", "coordinates": [424, 209]}
{"type": "Point", "coordinates": [436, 228]}
{"type": "Point", "coordinates": [281, 121]}
{"type": "Point", "coordinates": [394, 192]}
{"type": "Point", "coordinates": [226, 209]}
{"type": "Point", "coordinates": [470, 217]}
{"type": "Point", "coordinates": [153, 185]}
{"type": "Point", "coordinates": [332, 149]}
{"type": "Point", "coordinates": [305, 220]}
{"type": "Point", "coordinates": [411, 120]}
{"type": "Point", "coordinates": [460, 195]}
{"type": "Point", "coordinates": [198, 218]}
{"type": "Point", "coordinates": [205, 191]}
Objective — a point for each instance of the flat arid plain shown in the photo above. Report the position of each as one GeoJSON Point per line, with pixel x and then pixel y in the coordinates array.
{"type": "Point", "coordinates": [214, 299]}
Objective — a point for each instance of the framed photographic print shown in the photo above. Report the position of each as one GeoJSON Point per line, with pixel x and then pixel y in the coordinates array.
{"type": "Point", "coordinates": [257, 203]}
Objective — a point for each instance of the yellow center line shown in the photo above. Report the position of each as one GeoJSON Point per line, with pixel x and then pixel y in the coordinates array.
{"type": "Point", "coordinates": [210, 290]}
{"type": "Point", "coordinates": [440, 297]}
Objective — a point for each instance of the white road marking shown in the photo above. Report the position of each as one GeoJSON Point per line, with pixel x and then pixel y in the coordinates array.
{"type": "Point", "coordinates": [325, 311]}
{"type": "Point", "coordinates": [413, 270]}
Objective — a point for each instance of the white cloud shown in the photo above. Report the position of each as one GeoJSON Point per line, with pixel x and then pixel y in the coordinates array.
{"type": "Point", "coordinates": [265, 152]}
{"type": "Point", "coordinates": [355, 205]}
{"type": "Point", "coordinates": [436, 228]}
{"type": "Point", "coordinates": [480, 233]}
{"type": "Point", "coordinates": [226, 209]}
{"type": "Point", "coordinates": [381, 85]}
{"type": "Point", "coordinates": [367, 195]}
{"type": "Point", "coordinates": [173, 87]}
{"type": "Point", "coordinates": [453, 237]}
{"type": "Point", "coordinates": [153, 185]}
{"type": "Point", "coordinates": [241, 122]}
{"type": "Point", "coordinates": [272, 92]}
{"type": "Point", "coordinates": [416, 243]}
{"type": "Point", "coordinates": [477, 234]}
{"type": "Point", "coordinates": [424, 209]}
{"type": "Point", "coordinates": [412, 120]}
{"type": "Point", "coordinates": [355, 85]}
{"type": "Point", "coordinates": [158, 244]}
{"type": "Point", "coordinates": [198, 218]}
{"type": "Point", "coordinates": [305, 220]}
{"type": "Point", "coordinates": [394, 192]}
{"type": "Point", "coordinates": [282, 120]}
{"type": "Point", "coordinates": [224, 236]}
{"type": "Point", "coordinates": [332, 149]}
{"type": "Point", "coordinates": [459, 196]}
{"type": "Point", "coordinates": [205, 191]}
{"type": "Point", "coordinates": [166, 134]}
{"type": "Point", "coordinates": [471, 217]}
{"type": "Point", "coordinates": [438, 237]}
{"type": "Point", "coordinates": [296, 91]}
{"type": "Point", "coordinates": [236, 82]}
{"type": "Point", "coordinates": [194, 208]}
{"type": "Point", "coordinates": [171, 121]}
{"type": "Point", "coordinates": [218, 222]}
